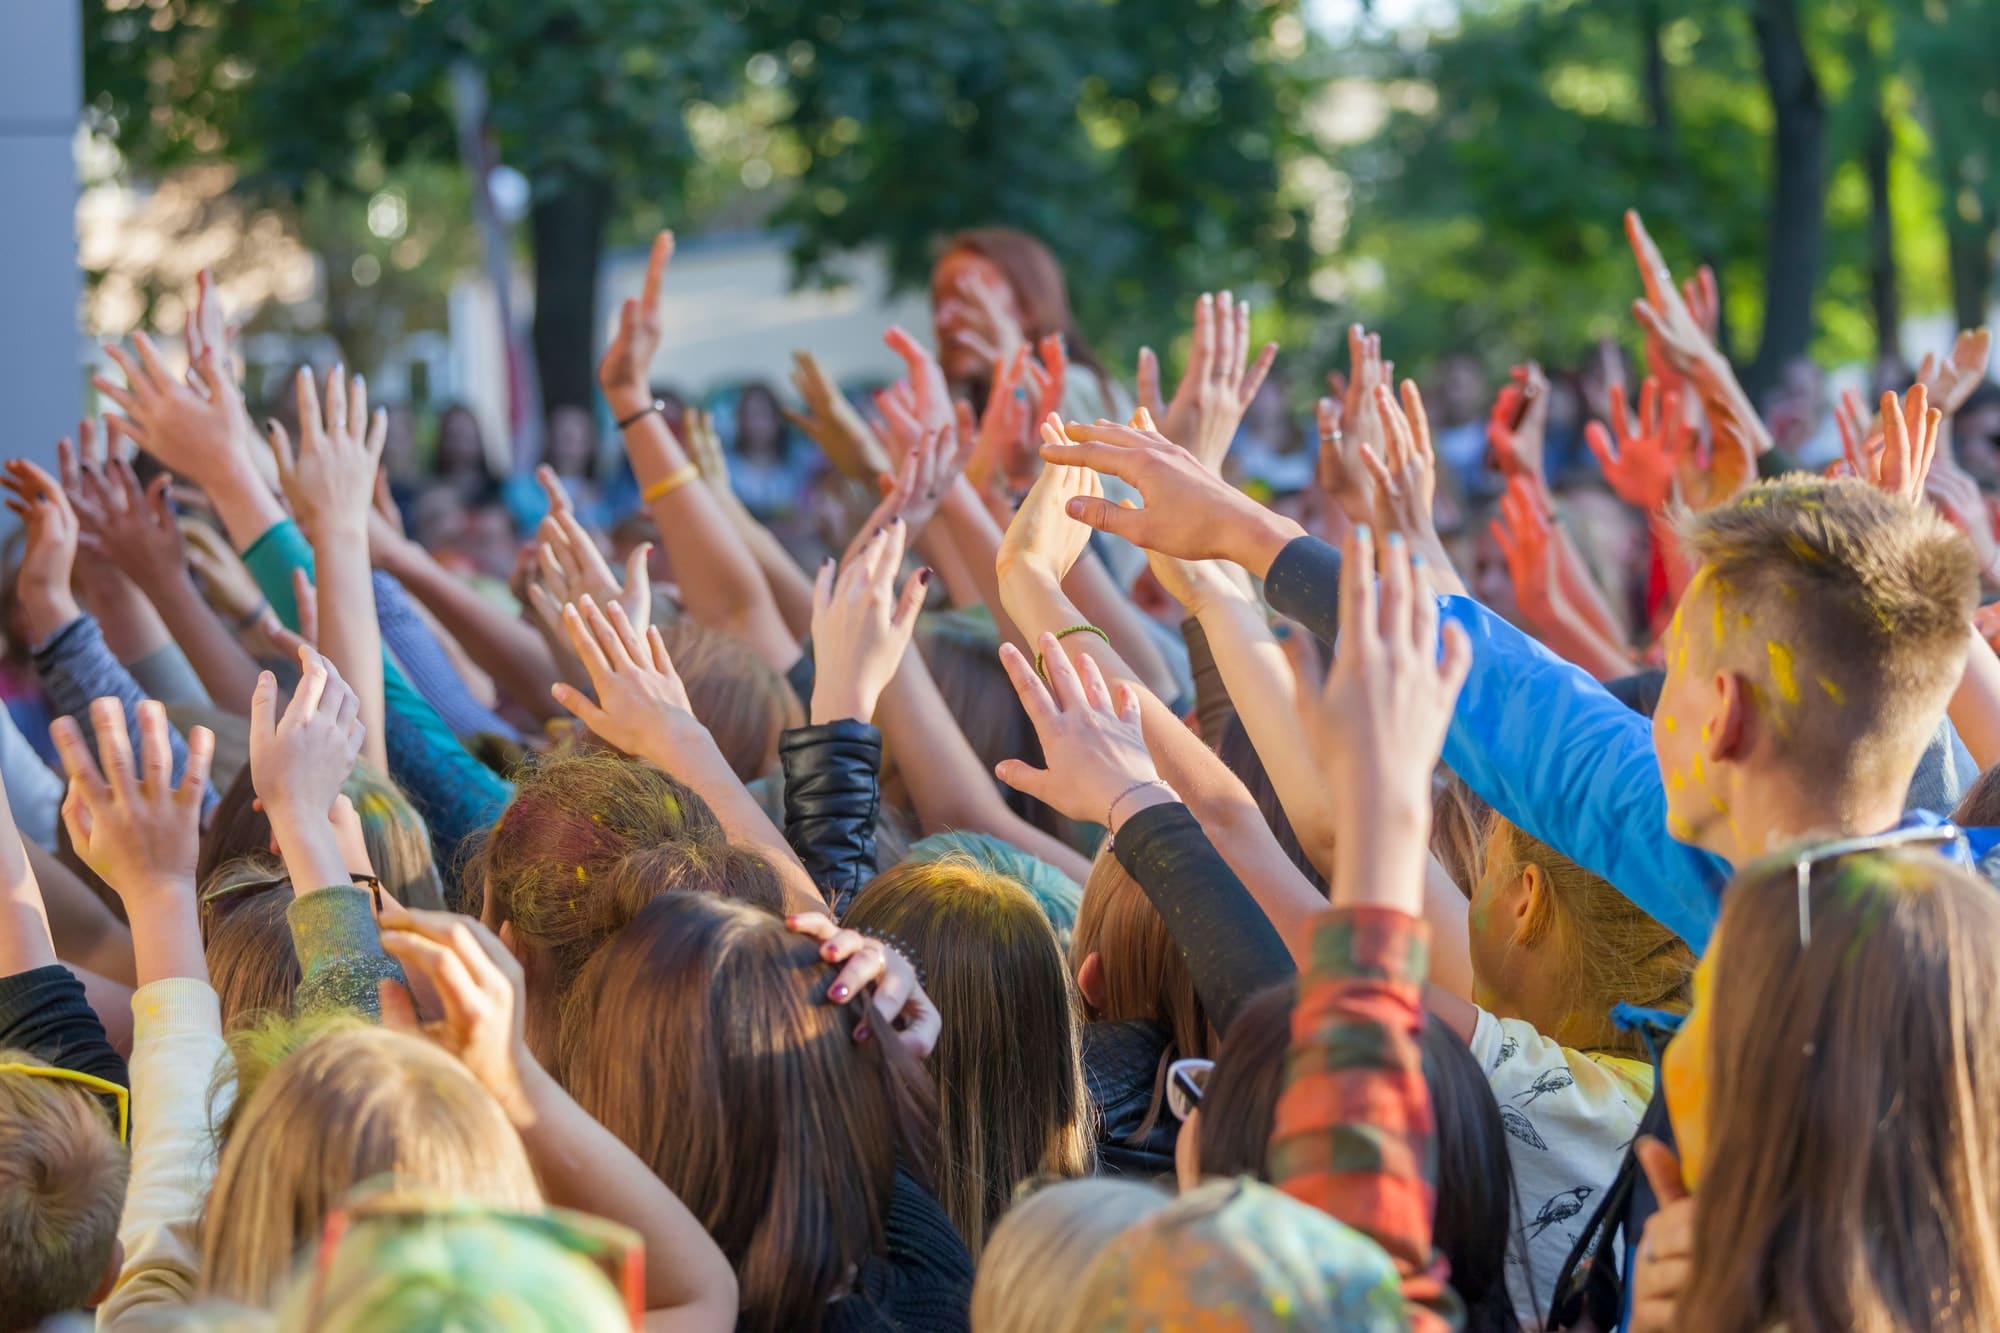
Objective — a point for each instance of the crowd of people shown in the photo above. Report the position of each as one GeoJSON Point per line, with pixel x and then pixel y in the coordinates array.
{"type": "Point", "coordinates": [1110, 865]}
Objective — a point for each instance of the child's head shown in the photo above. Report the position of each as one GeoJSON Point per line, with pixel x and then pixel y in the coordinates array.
{"type": "Point", "coordinates": [1556, 946]}
{"type": "Point", "coordinates": [587, 839]}
{"type": "Point", "coordinates": [497, 1274]}
{"type": "Point", "coordinates": [1008, 1065]}
{"type": "Point", "coordinates": [1273, 1262]}
{"type": "Point", "coordinates": [1038, 1254]}
{"type": "Point", "coordinates": [1809, 662]}
{"type": "Point", "coordinates": [341, 1106]}
{"type": "Point", "coordinates": [1843, 1117]}
{"type": "Point", "coordinates": [702, 1037]}
{"type": "Point", "coordinates": [62, 1188]}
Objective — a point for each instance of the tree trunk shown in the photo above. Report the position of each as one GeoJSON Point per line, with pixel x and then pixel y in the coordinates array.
{"type": "Point", "coordinates": [1970, 246]}
{"type": "Point", "coordinates": [1884, 292]}
{"type": "Point", "coordinates": [568, 227]}
{"type": "Point", "coordinates": [1796, 235]}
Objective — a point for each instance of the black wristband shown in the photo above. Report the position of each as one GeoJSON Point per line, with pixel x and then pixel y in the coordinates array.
{"type": "Point", "coordinates": [655, 406]}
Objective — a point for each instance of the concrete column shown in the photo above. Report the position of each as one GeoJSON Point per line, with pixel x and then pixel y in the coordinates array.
{"type": "Point", "coordinates": [43, 380]}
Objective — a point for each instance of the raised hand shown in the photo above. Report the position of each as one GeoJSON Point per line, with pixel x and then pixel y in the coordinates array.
{"type": "Point", "coordinates": [133, 527]}
{"type": "Point", "coordinates": [1675, 338]}
{"type": "Point", "coordinates": [128, 820]}
{"type": "Point", "coordinates": [1198, 584]}
{"type": "Point", "coordinates": [933, 459]}
{"type": "Point", "coordinates": [641, 706]}
{"type": "Point", "coordinates": [930, 400]}
{"type": "Point", "coordinates": [1650, 446]}
{"type": "Point", "coordinates": [1098, 767]}
{"type": "Point", "coordinates": [1217, 385]}
{"type": "Point", "coordinates": [898, 997]}
{"type": "Point", "coordinates": [1958, 497]}
{"type": "Point", "coordinates": [1189, 512]}
{"type": "Point", "coordinates": [704, 449]}
{"type": "Point", "coordinates": [1046, 536]}
{"type": "Point", "coordinates": [42, 580]}
{"type": "Point", "coordinates": [194, 425]}
{"type": "Point", "coordinates": [299, 760]}
{"type": "Point", "coordinates": [625, 371]}
{"type": "Point", "coordinates": [1339, 471]}
{"type": "Point", "coordinates": [1380, 723]}
{"type": "Point", "coordinates": [1406, 475]}
{"type": "Point", "coordinates": [480, 989]}
{"type": "Point", "coordinates": [224, 578]}
{"type": "Point", "coordinates": [1517, 431]}
{"type": "Point", "coordinates": [1901, 461]}
{"type": "Point", "coordinates": [572, 567]}
{"type": "Point", "coordinates": [1950, 380]}
{"type": "Point", "coordinates": [860, 627]}
{"type": "Point", "coordinates": [1367, 371]}
{"type": "Point", "coordinates": [831, 422]}
{"type": "Point", "coordinates": [329, 481]}
{"type": "Point", "coordinates": [1525, 539]}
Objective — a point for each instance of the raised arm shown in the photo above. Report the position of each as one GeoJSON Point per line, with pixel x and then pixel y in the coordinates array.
{"type": "Point", "coordinates": [330, 482]}
{"type": "Point", "coordinates": [1353, 1134]}
{"type": "Point", "coordinates": [1539, 740]}
{"type": "Point", "coordinates": [729, 593]}
{"type": "Point", "coordinates": [642, 709]}
{"type": "Point", "coordinates": [690, 1286]}
{"type": "Point", "coordinates": [790, 588]}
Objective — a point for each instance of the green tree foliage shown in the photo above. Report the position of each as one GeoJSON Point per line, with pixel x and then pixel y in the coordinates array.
{"type": "Point", "coordinates": [1145, 143]}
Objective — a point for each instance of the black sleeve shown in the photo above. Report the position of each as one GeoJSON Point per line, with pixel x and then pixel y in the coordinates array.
{"type": "Point", "coordinates": [1232, 948]}
{"type": "Point", "coordinates": [832, 792]}
{"type": "Point", "coordinates": [1212, 706]}
{"type": "Point", "coordinates": [1304, 583]}
{"type": "Point", "coordinates": [44, 1012]}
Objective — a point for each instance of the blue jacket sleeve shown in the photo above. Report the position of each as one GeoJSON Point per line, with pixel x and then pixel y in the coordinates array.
{"type": "Point", "coordinates": [1546, 746]}
{"type": "Point", "coordinates": [1550, 749]}
{"type": "Point", "coordinates": [76, 667]}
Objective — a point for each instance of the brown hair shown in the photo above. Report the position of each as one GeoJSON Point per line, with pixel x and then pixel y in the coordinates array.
{"type": "Point", "coordinates": [744, 704]}
{"type": "Point", "coordinates": [351, 1104]}
{"type": "Point", "coordinates": [703, 1039]}
{"type": "Point", "coordinates": [1980, 806]}
{"type": "Point", "coordinates": [1008, 1064]}
{"type": "Point", "coordinates": [1848, 608]}
{"type": "Point", "coordinates": [1604, 947]}
{"type": "Point", "coordinates": [62, 1188]}
{"type": "Point", "coordinates": [965, 663]}
{"type": "Point", "coordinates": [248, 940]}
{"type": "Point", "coordinates": [588, 838]}
{"type": "Point", "coordinates": [1145, 975]}
{"type": "Point", "coordinates": [1240, 1103]}
{"type": "Point", "coordinates": [1853, 1117]}
{"type": "Point", "coordinates": [399, 843]}
{"type": "Point", "coordinates": [1036, 278]}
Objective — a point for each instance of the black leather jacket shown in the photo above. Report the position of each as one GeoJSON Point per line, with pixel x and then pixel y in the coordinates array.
{"type": "Point", "coordinates": [1121, 1065]}
{"type": "Point", "coordinates": [832, 793]}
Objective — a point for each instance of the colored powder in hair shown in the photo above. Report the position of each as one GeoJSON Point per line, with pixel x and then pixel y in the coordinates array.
{"type": "Point", "coordinates": [1799, 547]}
{"type": "Point", "coordinates": [1781, 670]}
{"type": "Point", "coordinates": [1833, 691]}
{"type": "Point", "coordinates": [1680, 829]}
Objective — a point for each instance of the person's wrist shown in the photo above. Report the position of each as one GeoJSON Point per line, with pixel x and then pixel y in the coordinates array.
{"type": "Point", "coordinates": [626, 399]}
{"type": "Point", "coordinates": [1257, 537]}
{"type": "Point", "coordinates": [1132, 797]}
{"type": "Point", "coordinates": [841, 704]}
{"type": "Point", "coordinates": [46, 608]}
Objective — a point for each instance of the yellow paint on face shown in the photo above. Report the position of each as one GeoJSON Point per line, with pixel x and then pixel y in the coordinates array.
{"type": "Point", "coordinates": [1781, 670]}
{"type": "Point", "coordinates": [1675, 782]}
{"type": "Point", "coordinates": [1833, 691]}
{"type": "Point", "coordinates": [1684, 1074]}
{"type": "Point", "coordinates": [1700, 773]}
{"type": "Point", "coordinates": [1665, 721]}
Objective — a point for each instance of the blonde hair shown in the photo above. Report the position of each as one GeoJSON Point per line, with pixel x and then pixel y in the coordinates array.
{"type": "Point", "coordinates": [1009, 1065]}
{"type": "Point", "coordinates": [346, 1104]}
{"type": "Point", "coordinates": [62, 1188]}
{"type": "Point", "coordinates": [1847, 608]}
{"type": "Point", "coordinates": [1036, 1258]}
{"type": "Point", "coordinates": [1597, 940]}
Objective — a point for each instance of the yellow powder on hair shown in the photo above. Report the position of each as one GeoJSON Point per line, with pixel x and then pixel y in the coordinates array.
{"type": "Point", "coordinates": [1833, 691]}
{"type": "Point", "coordinates": [1680, 829]}
{"type": "Point", "coordinates": [580, 876]}
{"type": "Point", "coordinates": [1781, 670]}
{"type": "Point", "coordinates": [1803, 549]}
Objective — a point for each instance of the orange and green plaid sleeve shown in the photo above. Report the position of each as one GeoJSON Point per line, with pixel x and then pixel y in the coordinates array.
{"type": "Point", "coordinates": [1354, 1135]}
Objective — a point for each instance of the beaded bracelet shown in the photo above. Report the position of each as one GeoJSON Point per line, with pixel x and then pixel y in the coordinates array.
{"type": "Point", "coordinates": [1064, 633]}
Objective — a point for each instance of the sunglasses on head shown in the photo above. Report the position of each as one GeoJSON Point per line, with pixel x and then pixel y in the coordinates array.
{"type": "Point", "coordinates": [1187, 1080]}
{"type": "Point", "coordinates": [1809, 858]}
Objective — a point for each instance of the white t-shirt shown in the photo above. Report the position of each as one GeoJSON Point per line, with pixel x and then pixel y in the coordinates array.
{"type": "Point", "coordinates": [1569, 1118]}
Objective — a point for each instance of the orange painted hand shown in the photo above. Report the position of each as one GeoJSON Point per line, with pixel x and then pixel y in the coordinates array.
{"type": "Point", "coordinates": [1649, 446]}
{"type": "Point", "coordinates": [1517, 430]}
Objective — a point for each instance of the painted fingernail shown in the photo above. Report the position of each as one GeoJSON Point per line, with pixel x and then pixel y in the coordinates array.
{"type": "Point", "coordinates": [924, 577]}
{"type": "Point", "coordinates": [1281, 632]}
{"type": "Point", "coordinates": [826, 563]}
{"type": "Point", "coordinates": [1416, 560]}
{"type": "Point", "coordinates": [840, 992]}
{"type": "Point", "coordinates": [1395, 539]}
{"type": "Point", "coordinates": [861, 1033]}
{"type": "Point", "coordinates": [270, 425]}
{"type": "Point", "coordinates": [1362, 533]}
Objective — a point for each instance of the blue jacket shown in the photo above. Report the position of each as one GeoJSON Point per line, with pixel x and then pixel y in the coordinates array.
{"type": "Point", "coordinates": [1548, 747]}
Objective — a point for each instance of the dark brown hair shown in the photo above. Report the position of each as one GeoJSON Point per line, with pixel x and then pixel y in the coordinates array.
{"type": "Point", "coordinates": [1852, 1174]}
{"type": "Point", "coordinates": [1009, 1067]}
{"type": "Point", "coordinates": [702, 1037]}
{"type": "Point", "coordinates": [1036, 278]}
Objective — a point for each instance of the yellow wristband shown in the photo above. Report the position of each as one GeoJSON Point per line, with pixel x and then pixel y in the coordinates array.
{"type": "Point", "coordinates": [670, 483]}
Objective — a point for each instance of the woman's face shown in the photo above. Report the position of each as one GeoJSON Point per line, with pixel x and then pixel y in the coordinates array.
{"type": "Point", "coordinates": [975, 314]}
{"type": "Point", "coordinates": [459, 446]}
